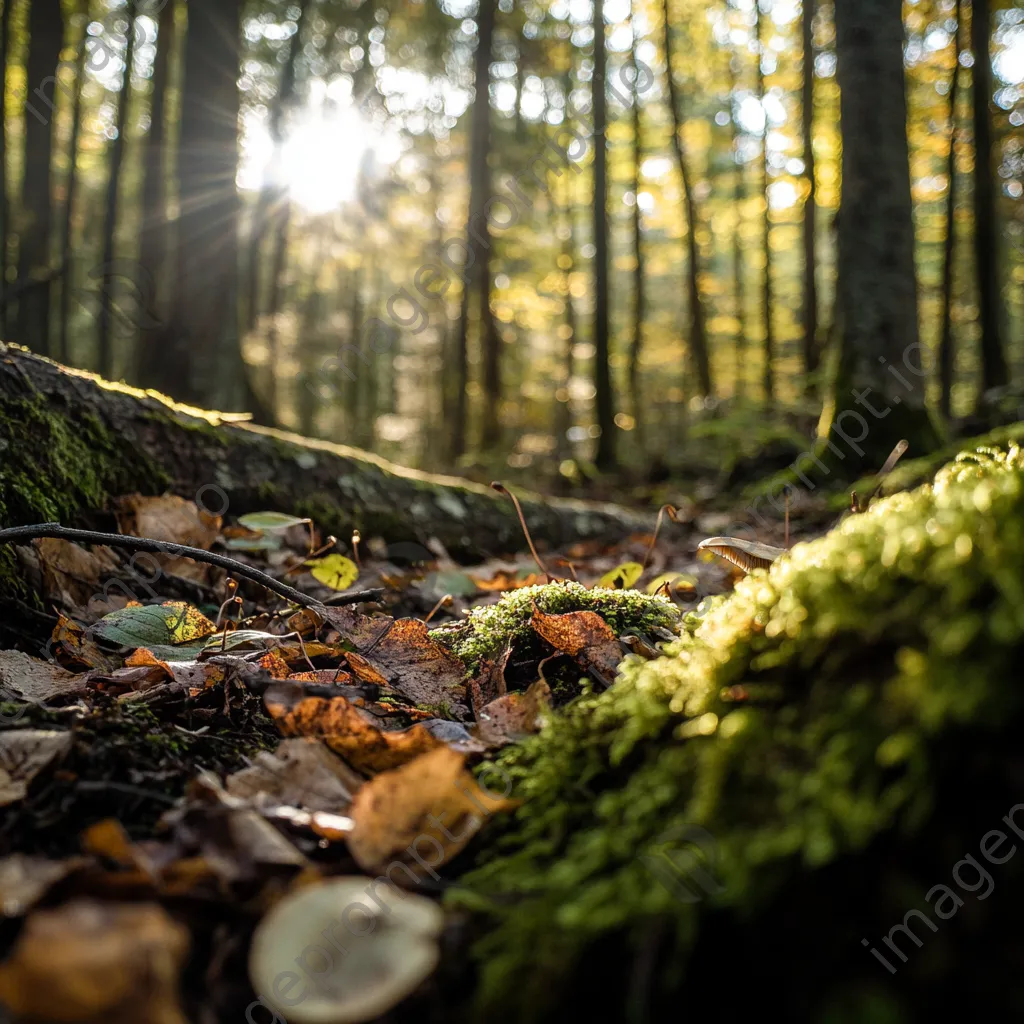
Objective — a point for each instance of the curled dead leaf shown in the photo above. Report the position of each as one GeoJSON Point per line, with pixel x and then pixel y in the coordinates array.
{"type": "Point", "coordinates": [428, 808]}
{"type": "Point", "coordinates": [515, 715]}
{"type": "Point", "coordinates": [584, 636]}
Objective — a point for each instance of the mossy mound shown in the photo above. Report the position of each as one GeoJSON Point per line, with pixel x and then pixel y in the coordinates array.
{"type": "Point", "coordinates": [488, 629]}
{"type": "Point", "coordinates": [720, 830]}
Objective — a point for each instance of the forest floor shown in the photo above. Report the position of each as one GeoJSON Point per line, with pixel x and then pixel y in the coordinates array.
{"type": "Point", "coordinates": [184, 753]}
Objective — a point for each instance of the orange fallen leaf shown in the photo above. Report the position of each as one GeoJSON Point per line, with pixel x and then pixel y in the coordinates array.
{"type": "Point", "coordinates": [419, 816]}
{"type": "Point", "coordinates": [72, 647]}
{"type": "Point", "coordinates": [515, 715]}
{"type": "Point", "coordinates": [584, 636]}
{"type": "Point", "coordinates": [345, 730]}
{"type": "Point", "coordinates": [505, 579]}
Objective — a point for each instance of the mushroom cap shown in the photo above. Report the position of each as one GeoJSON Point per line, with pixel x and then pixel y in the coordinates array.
{"type": "Point", "coordinates": [345, 950]}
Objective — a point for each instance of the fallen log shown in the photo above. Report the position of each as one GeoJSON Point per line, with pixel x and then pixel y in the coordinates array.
{"type": "Point", "coordinates": [70, 441]}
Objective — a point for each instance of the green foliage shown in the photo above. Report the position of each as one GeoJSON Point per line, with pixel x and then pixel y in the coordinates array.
{"type": "Point", "coordinates": [804, 716]}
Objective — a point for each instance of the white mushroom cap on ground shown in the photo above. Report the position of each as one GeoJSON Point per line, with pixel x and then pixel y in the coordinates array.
{"type": "Point", "coordinates": [344, 951]}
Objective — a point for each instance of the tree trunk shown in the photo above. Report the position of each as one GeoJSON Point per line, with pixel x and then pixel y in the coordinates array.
{"type": "Point", "coordinates": [71, 191]}
{"type": "Point", "coordinates": [5, 207]}
{"type": "Point", "coordinates": [880, 365]}
{"type": "Point", "coordinates": [207, 366]}
{"type": "Point", "coordinates": [154, 240]}
{"type": "Point", "coordinates": [639, 270]}
{"type": "Point", "coordinates": [604, 458]}
{"type": "Point", "coordinates": [810, 304]}
{"type": "Point", "coordinates": [739, 195]}
{"type": "Point", "coordinates": [947, 350]}
{"type": "Point", "coordinates": [105, 320]}
{"type": "Point", "coordinates": [476, 281]}
{"type": "Point", "coordinates": [986, 232]}
{"type": "Point", "coordinates": [46, 37]}
{"type": "Point", "coordinates": [698, 331]}
{"type": "Point", "coordinates": [768, 299]}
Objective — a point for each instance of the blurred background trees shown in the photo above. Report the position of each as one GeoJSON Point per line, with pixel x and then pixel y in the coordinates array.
{"type": "Point", "coordinates": [545, 238]}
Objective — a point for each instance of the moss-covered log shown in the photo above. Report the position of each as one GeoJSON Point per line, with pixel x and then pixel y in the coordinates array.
{"type": "Point", "coordinates": [69, 441]}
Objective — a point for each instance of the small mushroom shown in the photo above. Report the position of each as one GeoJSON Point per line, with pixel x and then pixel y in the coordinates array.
{"type": "Point", "coordinates": [344, 951]}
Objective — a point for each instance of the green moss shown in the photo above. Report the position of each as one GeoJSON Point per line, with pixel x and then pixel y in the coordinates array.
{"type": "Point", "coordinates": [489, 629]}
{"type": "Point", "coordinates": [859, 659]}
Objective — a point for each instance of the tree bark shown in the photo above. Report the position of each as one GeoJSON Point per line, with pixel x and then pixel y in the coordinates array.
{"type": "Point", "coordinates": [105, 322]}
{"type": "Point", "coordinates": [476, 283]}
{"type": "Point", "coordinates": [810, 304]}
{"type": "Point", "coordinates": [46, 37]}
{"type": "Point", "coordinates": [768, 298]}
{"type": "Point", "coordinates": [604, 458]}
{"type": "Point", "coordinates": [986, 232]}
{"type": "Point", "coordinates": [639, 270]}
{"type": "Point", "coordinates": [205, 355]}
{"type": "Point", "coordinates": [698, 330]}
{"type": "Point", "coordinates": [71, 190]}
{"type": "Point", "coordinates": [154, 240]}
{"type": "Point", "coordinates": [79, 442]}
{"type": "Point", "coordinates": [947, 351]}
{"type": "Point", "coordinates": [880, 371]}
{"type": "Point", "coordinates": [739, 194]}
{"type": "Point", "coordinates": [5, 207]}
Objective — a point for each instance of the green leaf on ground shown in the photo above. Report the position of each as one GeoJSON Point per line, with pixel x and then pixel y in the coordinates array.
{"type": "Point", "coordinates": [169, 624]}
{"type": "Point", "coordinates": [269, 521]}
{"type": "Point", "coordinates": [622, 577]}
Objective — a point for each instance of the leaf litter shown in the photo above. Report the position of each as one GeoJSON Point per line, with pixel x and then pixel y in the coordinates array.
{"type": "Point", "coordinates": [200, 773]}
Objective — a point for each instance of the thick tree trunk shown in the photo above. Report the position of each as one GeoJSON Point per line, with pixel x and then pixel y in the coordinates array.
{"type": "Point", "coordinates": [698, 330]}
{"type": "Point", "coordinates": [46, 37]}
{"type": "Point", "coordinates": [879, 392]}
{"type": "Point", "coordinates": [947, 351]}
{"type": "Point", "coordinates": [105, 323]}
{"type": "Point", "coordinates": [71, 190]}
{"type": "Point", "coordinates": [154, 242]}
{"type": "Point", "coordinates": [986, 232]}
{"type": "Point", "coordinates": [739, 195]}
{"type": "Point", "coordinates": [605, 401]}
{"type": "Point", "coordinates": [70, 442]}
{"type": "Point", "coordinates": [639, 270]}
{"type": "Point", "coordinates": [767, 295]}
{"type": "Point", "coordinates": [476, 281]}
{"type": "Point", "coordinates": [205, 355]}
{"type": "Point", "coordinates": [810, 304]}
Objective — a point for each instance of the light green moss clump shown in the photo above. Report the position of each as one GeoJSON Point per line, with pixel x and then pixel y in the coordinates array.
{"type": "Point", "coordinates": [810, 712]}
{"type": "Point", "coordinates": [488, 629]}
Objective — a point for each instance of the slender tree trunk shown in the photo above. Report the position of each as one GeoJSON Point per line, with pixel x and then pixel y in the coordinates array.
{"type": "Point", "coordinates": [604, 458]}
{"type": "Point", "coordinates": [639, 269]}
{"type": "Point", "coordinates": [881, 374]}
{"type": "Point", "coordinates": [986, 232]}
{"type": "Point", "coordinates": [353, 387]}
{"type": "Point", "coordinates": [477, 278]}
{"type": "Point", "coordinates": [947, 351]}
{"type": "Point", "coordinates": [520, 123]}
{"type": "Point", "coordinates": [566, 213]}
{"type": "Point", "coordinates": [810, 304]}
{"type": "Point", "coordinates": [698, 330]}
{"type": "Point", "coordinates": [273, 194]}
{"type": "Point", "coordinates": [738, 283]}
{"type": "Point", "coordinates": [5, 36]}
{"type": "Point", "coordinates": [275, 301]}
{"type": "Point", "coordinates": [46, 37]}
{"type": "Point", "coordinates": [768, 299]}
{"type": "Point", "coordinates": [71, 191]}
{"type": "Point", "coordinates": [105, 320]}
{"type": "Point", "coordinates": [154, 240]}
{"type": "Point", "coordinates": [207, 351]}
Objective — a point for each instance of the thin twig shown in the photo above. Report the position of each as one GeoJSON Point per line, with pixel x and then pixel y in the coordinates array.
{"type": "Point", "coordinates": [156, 547]}
{"type": "Point", "coordinates": [502, 489]}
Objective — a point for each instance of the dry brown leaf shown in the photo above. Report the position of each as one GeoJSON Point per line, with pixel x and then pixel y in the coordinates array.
{"type": "Point", "coordinates": [343, 727]}
{"type": "Point", "coordinates": [89, 963]}
{"type": "Point", "coordinates": [167, 518]}
{"type": "Point", "coordinates": [419, 816]}
{"type": "Point", "coordinates": [71, 574]}
{"type": "Point", "coordinates": [34, 679]}
{"type": "Point", "coordinates": [71, 646]}
{"type": "Point", "coordinates": [505, 579]}
{"type": "Point", "coordinates": [419, 668]}
{"type": "Point", "coordinates": [300, 773]}
{"type": "Point", "coordinates": [584, 636]}
{"type": "Point", "coordinates": [24, 753]}
{"type": "Point", "coordinates": [515, 715]}
{"type": "Point", "coordinates": [364, 671]}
